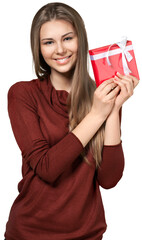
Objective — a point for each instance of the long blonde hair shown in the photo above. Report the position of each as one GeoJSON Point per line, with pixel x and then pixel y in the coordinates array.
{"type": "Point", "coordinates": [83, 87]}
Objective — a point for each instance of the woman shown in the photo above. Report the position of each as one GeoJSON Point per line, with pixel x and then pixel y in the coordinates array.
{"type": "Point", "coordinates": [68, 132]}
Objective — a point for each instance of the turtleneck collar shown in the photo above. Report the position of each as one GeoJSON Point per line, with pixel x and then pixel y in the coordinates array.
{"type": "Point", "coordinates": [56, 98]}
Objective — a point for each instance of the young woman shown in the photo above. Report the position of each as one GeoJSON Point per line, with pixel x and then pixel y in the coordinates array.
{"type": "Point", "coordinates": [68, 132]}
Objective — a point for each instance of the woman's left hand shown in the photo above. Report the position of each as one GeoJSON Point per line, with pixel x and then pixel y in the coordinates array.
{"type": "Point", "coordinates": [127, 85]}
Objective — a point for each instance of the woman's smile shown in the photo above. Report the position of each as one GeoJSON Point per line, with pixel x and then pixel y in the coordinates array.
{"type": "Point", "coordinates": [63, 60]}
{"type": "Point", "coordinates": [59, 45]}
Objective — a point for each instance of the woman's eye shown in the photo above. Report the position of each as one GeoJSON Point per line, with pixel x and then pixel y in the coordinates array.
{"type": "Point", "coordinates": [48, 43]}
{"type": "Point", "coordinates": [68, 38]}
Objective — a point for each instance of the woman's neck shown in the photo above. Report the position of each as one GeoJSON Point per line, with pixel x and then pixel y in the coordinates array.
{"type": "Point", "coordinates": [61, 81]}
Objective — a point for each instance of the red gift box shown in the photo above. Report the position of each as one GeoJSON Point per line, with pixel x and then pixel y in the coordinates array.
{"type": "Point", "coordinates": [108, 60]}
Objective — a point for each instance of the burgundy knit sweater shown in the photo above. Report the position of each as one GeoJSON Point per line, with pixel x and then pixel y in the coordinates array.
{"type": "Point", "coordinates": [59, 196]}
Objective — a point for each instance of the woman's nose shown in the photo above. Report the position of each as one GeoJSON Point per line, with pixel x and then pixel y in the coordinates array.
{"type": "Point", "coordinates": [60, 48]}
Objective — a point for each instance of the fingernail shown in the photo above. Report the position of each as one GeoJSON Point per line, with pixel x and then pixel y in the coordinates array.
{"type": "Point", "coordinates": [118, 73]}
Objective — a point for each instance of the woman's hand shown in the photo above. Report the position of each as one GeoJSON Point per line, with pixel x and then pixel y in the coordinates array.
{"type": "Point", "coordinates": [127, 85]}
{"type": "Point", "coordinates": [104, 98]}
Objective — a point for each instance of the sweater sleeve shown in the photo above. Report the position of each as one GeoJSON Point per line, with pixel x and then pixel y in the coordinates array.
{"type": "Point", "coordinates": [47, 162]}
{"type": "Point", "coordinates": [111, 169]}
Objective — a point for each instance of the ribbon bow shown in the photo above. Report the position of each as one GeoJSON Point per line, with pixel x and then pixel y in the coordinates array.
{"type": "Point", "coordinates": [126, 56]}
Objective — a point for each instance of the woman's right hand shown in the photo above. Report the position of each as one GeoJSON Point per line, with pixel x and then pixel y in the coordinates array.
{"type": "Point", "coordinates": [104, 98]}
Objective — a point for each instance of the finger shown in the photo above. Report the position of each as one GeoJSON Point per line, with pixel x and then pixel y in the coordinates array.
{"type": "Point", "coordinates": [126, 89]}
{"type": "Point", "coordinates": [128, 77]}
{"type": "Point", "coordinates": [128, 85]}
{"type": "Point", "coordinates": [113, 93]}
{"type": "Point", "coordinates": [122, 86]}
{"type": "Point", "coordinates": [125, 80]}
{"type": "Point", "coordinates": [135, 80]}
{"type": "Point", "coordinates": [120, 75]}
{"type": "Point", "coordinates": [108, 88]}
{"type": "Point", "coordinates": [104, 84]}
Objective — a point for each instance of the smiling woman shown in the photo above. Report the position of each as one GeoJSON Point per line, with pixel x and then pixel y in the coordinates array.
{"type": "Point", "coordinates": [59, 45]}
{"type": "Point", "coordinates": [61, 122]}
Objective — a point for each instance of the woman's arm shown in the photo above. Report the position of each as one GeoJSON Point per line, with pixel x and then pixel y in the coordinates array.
{"type": "Point", "coordinates": [103, 103]}
{"type": "Point", "coordinates": [50, 162]}
{"type": "Point", "coordinates": [46, 161]}
{"type": "Point", "coordinates": [111, 169]}
{"type": "Point", "coordinates": [112, 166]}
{"type": "Point", "coordinates": [112, 128]}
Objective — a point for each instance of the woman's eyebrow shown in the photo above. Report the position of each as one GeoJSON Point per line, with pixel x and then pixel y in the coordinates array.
{"type": "Point", "coordinates": [67, 34]}
{"type": "Point", "coordinates": [52, 38]}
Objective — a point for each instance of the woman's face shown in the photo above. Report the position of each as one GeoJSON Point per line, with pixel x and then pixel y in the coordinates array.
{"type": "Point", "coordinates": [59, 45]}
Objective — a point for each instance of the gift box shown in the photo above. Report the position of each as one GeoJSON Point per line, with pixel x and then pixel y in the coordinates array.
{"type": "Point", "coordinates": [108, 60]}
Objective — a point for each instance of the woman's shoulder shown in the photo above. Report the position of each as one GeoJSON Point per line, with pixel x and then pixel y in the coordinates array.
{"type": "Point", "coordinates": [22, 88]}
{"type": "Point", "coordinates": [24, 84]}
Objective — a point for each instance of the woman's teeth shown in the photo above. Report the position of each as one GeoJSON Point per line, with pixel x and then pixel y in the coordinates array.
{"type": "Point", "coordinates": [62, 60]}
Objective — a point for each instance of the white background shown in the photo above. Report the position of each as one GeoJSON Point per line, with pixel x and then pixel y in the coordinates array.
{"type": "Point", "coordinates": [106, 22]}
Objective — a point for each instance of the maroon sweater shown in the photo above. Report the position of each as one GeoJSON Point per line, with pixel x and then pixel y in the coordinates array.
{"type": "Point", "coordinates": [59, 196]}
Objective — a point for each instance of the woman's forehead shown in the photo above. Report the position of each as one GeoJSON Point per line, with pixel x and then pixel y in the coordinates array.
{"type": "Point", "coordinates": [56, 28]}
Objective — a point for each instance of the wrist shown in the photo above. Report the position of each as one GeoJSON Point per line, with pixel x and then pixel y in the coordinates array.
{"type": "Point", "coordinates": [99, 116]}
{"type": "Point", "coordinates": [112, 129]}
{"type": "Point", "coordinates": [115, 110]}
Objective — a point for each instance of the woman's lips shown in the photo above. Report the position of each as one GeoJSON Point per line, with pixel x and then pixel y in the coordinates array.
{"type": "Point", "coordinates": [63, 60]}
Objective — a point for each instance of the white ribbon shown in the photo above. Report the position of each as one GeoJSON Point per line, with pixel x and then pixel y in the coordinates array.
{"type": "Point", "coordinates": [126, 56]}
